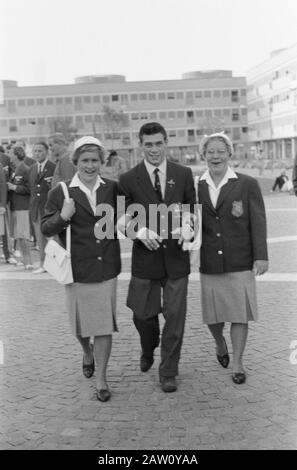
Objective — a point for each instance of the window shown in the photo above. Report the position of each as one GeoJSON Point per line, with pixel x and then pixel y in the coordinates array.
{"type": "Point", "coordinates": [243, 92]}
{"type": "Point", "coordinates": [170, 95]}
{"type": "Point", "coordinates": [3, 122]}
{"type": "Point", "coordinates": [172, 133]}
{"type": "Point", "coordinates": [87, 99]}
{"type": "Point", "coordinates": [207, 94]}
{"type": "Point", "coordinates": [40, 121]}
{"type": "Point", "coordinates": [79, 121]}
{"type": "Point", "coordinates": [40, 101]}
{"type": "Point", "coordinates": [68, 100]}
{"type": "Point", "coordinates": [218, 112]}
{"type": "Point", "coordinates": [180, 95]}
{"type": "Point", "coordinates": [181, 133]}
{"type": "Point", "coordinates": [152, 96]}
{"type": "Point", "coordinates": [78, 102]}
{"type": "Point", "coordinates": [30, 102]}
{"type": "Point", "coordinates": [199, 132]}
{"type": "Point", "coordinates": [162, 115]}
{"type": "Point", "coordinates": [49, 101]}
{"type": "Point", "coordinates": [199, 113]}
{"type": "Point", "coordinates": [13, 125]}
{"type": "Point", "coordinates": [114, 97]}
{"type": "Point", "coordinates": [21, 102]}
{"type": "Point", "coordinates": [217, 93]}
{"type": "Point", "coordinates": [59, 100]}
{"type": "Point", "coordinates": [190, 116]}
{"type": "Point", "coordinates": [105, 99]}
{"type": "Point", "coordinates": [208, 113]}
{"type": "Point", "coordinates": [143, 116]}
{"type": "Point", "coordinates": [191, 135]}
{"type": "Point", "coordinates": [11, 106]}
{"type": "Point", "coordinates": [134, 97]}
{"type": "Point", "coordinates": [226, 112]}
{"type": "Point", "coordinates": [23, 122]}
{"type": "Point", "coordinates": [134, 116]}
{"type": "Point", "coordinates": [96, 99]}
{"type": "Point", "coordinates": [171, 115]}
{"type": "Point", "coordinates": [153, 115]}
{"type": "Point", "coordinates": [88, 118]}
{"type": "Point", "coordinates": [198, 94]}
{"type": "Point", "coordinates": [180, 114]}
{"type": "Point", "coordinates": [244, 130]}
{"type": "Point", "coordinates": [124, 98]}
{"type": "Point", "coordinates": [243, 111]}
{"type": "Point", "coordinates": [235, 115]}
{"type": "Point", "coordinates": [143, 96]}
{"type": "Point", "coordinates": [32, 121]}
{"type": "Point", "coordinates": [234, 96]}
{"type": "Point", "coordinates": [236, 133]}
{"type": "Point", "coordinates": [226, 93]}
{"type": "Point", "coordinates": [189, 96]}
{"type": "Point", "coordinates": [161, 96]}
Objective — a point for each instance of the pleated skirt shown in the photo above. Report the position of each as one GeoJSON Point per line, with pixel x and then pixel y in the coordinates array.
{"type": "Point", "coordinates": [229, 297]}
{"type": "Point", "coordinates": [92, 308]}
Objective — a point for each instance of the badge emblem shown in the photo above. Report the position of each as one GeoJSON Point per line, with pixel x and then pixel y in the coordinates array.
{"type": "Point", "coordinates": [237, 208]}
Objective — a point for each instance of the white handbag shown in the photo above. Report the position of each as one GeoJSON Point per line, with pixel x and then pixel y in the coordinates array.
{"type": "Point", "coordinates": [58, 260]}
{"type": "Point", "coordinates": [195, 245]}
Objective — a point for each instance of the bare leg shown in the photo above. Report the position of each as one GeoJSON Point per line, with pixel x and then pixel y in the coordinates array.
{"type": "Point", "coordinates": [88, 352]}
{"type": "Point", "coordinates": [25, 250]}
{"type": "Point", "coordinates": [102, 349]}
{"type": "Point", "coordinates": [217, 332]}
{"type": "Point", "coordinates": [238, 332]}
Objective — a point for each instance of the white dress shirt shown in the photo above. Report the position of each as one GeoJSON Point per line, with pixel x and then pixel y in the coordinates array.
{"type": "Point", "coordinates": [91, 194]}
{"type": "Point", "coordinates": [214, 191]}
{"type": "Point", "coordinates": [162, 174]}
{"type": "Point", "coordinates": [41, 165]}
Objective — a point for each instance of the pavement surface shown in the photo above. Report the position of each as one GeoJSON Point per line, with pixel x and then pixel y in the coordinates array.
{"type": "Point", "coordinates": [46, 403]}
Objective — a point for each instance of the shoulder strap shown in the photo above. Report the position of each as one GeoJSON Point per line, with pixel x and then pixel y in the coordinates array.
{"type": "Point", "coordinates": [68, 230]}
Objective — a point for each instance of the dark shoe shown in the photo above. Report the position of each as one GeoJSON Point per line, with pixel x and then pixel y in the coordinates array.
{"type": "Point", "coordinates": [238, 377]}
{"type": "Point", "coordinates": [225, 358]}
{"type": "Point", "coordinates": [103, 394]}
{"type": "Point", "coordinates": [168, 384]}
{"type": "Point", "coordinates": [88, 369]}
{"type": "Point", "coordinates": [146, 363]}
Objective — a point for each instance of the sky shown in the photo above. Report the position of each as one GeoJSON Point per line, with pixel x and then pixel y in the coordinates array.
{"type": "Point", "coordinates": [53, 41]}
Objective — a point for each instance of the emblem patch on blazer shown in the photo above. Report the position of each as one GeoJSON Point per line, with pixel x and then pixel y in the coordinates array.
{"type": "Point", "coordinates": [237, 208]}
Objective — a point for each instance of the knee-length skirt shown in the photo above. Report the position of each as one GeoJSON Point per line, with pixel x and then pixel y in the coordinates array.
{"type": "Point", "coordinates": [228, 297]}
{"type": "Point", "coordinates": [92, 308]}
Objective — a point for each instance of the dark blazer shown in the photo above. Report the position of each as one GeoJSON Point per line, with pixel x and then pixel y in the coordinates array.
{"type": "Point", "coordinates": [6, 165]}
{"type": "Point", "coordinates": [169, 260]}
{"type": "Point", "coordinates": [39, 188]}
{"type": "Point", "coordinates": [19, 199]}
{"type": "Point", "coordinates": [93, 259]}
{"type": "Point", "coordinates": [294, 176]}
{"type": "Point", "coordinates": [29, 161]}
{"type": "Point", "coordinates": [64, 170]}
{"type": "Point", "coordinates": [3, 188]}
{"type": "Point", "coordinates": [233, 234]}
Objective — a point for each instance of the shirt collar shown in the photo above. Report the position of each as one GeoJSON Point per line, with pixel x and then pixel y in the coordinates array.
{"type": "Point", "coordinates": [41, 165]}
{"type": "Point", "coordinates": [230, 174]}
{"type": "Point", "coordinates": [151, 168]}
{"type": "Point", "coordinates": [76, 182]}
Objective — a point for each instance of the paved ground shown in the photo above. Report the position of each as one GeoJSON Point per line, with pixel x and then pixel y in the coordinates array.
{"type": "Point", "coordinates": [46, 403]}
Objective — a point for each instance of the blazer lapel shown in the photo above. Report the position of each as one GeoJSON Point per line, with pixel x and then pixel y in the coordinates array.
{"type": "Point", "coordinates": [171, 182]}
{"type": "Point", "coordinates": [203, 194]}
{"type": "Point", "coordinates": [81, 198]}
{"type": "Point", "coordinates": [145, 183]}
{"type": "Point", "coordinates": [225, 190]}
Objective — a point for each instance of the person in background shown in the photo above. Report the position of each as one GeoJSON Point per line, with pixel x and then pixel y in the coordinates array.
{"type": "Point", "coordinates": [96, 262]}
{"type": "Point", "coordinates": [280, 181]}
{"type": "Point", "coordinates": [7, 242]}
{"type": "Point", "coordinates": [40, 178]}
{"type": "Point", "coordinates": [233, 250]}
{"type": "Point", "coordinates": [19, 196]}
{"type": "Point", "coordinates": [60, 155]}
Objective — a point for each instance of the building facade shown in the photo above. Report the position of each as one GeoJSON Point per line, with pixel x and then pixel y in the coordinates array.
{"type": "Point", "coordinates": [114, 109]}
{"type": "Point", "coordinates": [272, 105]}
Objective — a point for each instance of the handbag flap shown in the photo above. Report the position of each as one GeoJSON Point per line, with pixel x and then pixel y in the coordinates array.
{"type": "Point", "coordinates": [56, 251]}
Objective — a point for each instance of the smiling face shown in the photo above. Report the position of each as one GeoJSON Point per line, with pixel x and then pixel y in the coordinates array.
{"type": "Point", "coordinates": [154, 148]}
{"type": "Point", "coordinates": [88, 166]}
{"type": "Point", "coordinates": [217, 157]}
{"type": "Point", "coordinates": [40, 153]}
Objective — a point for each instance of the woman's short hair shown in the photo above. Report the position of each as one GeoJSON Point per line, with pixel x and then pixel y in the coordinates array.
{"type": "Point", "coordinates": [19, 153]}
{"type": "Point", "coordinates": [88, 148]}
{"type": "Point", "coordinates": [216, 136]}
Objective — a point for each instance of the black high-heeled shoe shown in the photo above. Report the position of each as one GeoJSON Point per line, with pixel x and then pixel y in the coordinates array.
{"type": "Point", "coordinates": [238, 377]}
{"type": "Point", "coordinates": [225, 358]}
{"type": "Point", "coordinates": [103, 394]}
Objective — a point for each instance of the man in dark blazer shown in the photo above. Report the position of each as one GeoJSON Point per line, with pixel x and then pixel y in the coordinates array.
{"type": "Point", "coordinates": [6, 240]}
{"type": "Point", "coordinates": [40, 178]}
{"type": "Point", "coordinates": [65, 169]}
{"type": "Point", "coordinates": [158, 260]}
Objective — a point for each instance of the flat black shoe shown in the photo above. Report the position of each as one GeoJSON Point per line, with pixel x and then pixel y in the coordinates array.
{"type": "Point", "coordinates": [103, 394]}
{"type": "Point", "coordinates": [146, 363]}
{"type": "Point", "coordinates": [88, 369]}
{"type": "Point", "coordinates": [168, 384]}
{"type": "Point", "coordinates": [238, 377]}
{"type": "Point", "coordinates": [225, 358]}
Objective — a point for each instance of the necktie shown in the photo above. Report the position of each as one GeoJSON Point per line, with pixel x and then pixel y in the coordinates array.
{"type": "Point", "coordinates": [157, 185]}
{"type": "Point", "coordinates": [39, 168]}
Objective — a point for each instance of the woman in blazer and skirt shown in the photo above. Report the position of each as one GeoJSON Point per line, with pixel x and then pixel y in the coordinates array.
{"type": "Point", "coordinates": [233, 250]}
{"type": "Point", "coordinates": [95, 256]}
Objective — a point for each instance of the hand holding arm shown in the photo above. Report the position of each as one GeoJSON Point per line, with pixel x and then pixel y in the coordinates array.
{"type": "Point", "coordinates": [68, 209]}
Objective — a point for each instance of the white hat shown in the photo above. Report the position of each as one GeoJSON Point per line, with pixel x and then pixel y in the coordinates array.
{"type": "Point", "coordinates": [86, 140]}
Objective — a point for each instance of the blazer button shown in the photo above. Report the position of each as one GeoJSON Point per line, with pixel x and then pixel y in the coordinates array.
{"type": "Point", "coordinates": [99, 257]}
{"type": "Point", "coordinates": [97, 241]}
{"type": "Point", "coordinates": [38, 186]}
{"type": "Point", "coordinates": [165, 246]}
{"type": "Point", "coordinates": [220, 252]}
{"type": "Point", "coordinates": [217, 218]}
{"type": "Point", "coordinates": [218, 234]}
{"type": "Point", "coordinates": [38, 194]}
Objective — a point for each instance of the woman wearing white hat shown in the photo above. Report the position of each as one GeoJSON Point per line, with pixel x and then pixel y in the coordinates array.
{"type": "Point", "coordinates": [96, 263]}
{"type": "Point", "coordinates": [233, 249]}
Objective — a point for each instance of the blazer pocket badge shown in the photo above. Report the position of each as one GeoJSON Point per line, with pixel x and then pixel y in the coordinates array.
{"type": "Point", "coordinates": [237, 208]}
